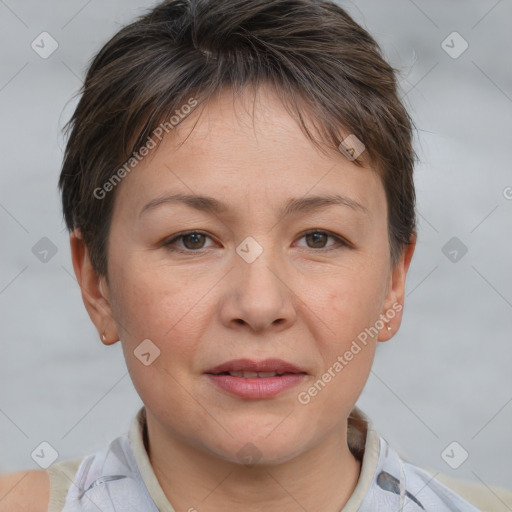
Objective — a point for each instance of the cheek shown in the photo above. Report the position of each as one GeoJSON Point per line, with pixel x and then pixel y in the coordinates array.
{"type": "Point", "coordinates": [352, 298]}
{"type": "Point", "coordinates": [154, 305]}
{"type": "Point", "coordinates": [153, 300]}
{"type": "Point", "coordinates": [347, 348]}
{"type": "Point", "coordinates": [350, 305]}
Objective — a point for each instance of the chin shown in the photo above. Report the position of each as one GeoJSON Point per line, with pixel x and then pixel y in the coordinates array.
{"type": "Point", "coordinates": [250, 454]}
{"type": "Point", "coordinates": [258, 447]}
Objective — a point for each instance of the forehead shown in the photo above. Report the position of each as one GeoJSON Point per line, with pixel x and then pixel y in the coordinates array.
{"type": "Point", "coordinates": [250, 152]}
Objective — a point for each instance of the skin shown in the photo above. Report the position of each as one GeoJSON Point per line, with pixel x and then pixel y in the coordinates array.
{"type": "Point", "coordinates": [25, 491]}
{"type": "Point", "coordinates": [301, 300]}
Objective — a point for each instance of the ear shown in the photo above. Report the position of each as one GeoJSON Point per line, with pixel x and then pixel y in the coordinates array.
{"type": "Point", "coordinates": [95, 290]}
{"type": "Point", "coordinates": [394, 303]}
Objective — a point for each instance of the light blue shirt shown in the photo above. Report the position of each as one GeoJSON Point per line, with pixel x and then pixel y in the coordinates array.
{"type": "Point", "coordinates": [110, 480]}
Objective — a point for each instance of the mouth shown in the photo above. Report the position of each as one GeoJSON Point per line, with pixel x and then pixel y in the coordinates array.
{"type": "Point", "coordinates": [249, 369]}
{"type": "Point", "coordinates": [253, 375]}
{"type": "Point", "coordinates": [245, 378]}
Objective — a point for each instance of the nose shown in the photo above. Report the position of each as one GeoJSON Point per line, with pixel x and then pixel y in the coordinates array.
{"type": "Point", "coordinates": [258, 295]}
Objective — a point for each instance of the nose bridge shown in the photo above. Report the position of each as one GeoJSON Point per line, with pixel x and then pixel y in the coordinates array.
{"type": "Point", "coordinates": [260, 295]}
{"type": "Point", "coordinates": [257, 267]}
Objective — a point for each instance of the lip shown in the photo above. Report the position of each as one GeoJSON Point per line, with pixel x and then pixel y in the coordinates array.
{"type": "Point", "coordinates": [248, 365]}
{"type": "Point", "coordinates": [258, 387]}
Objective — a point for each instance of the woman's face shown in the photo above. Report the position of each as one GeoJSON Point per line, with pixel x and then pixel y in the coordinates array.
{"type": "Point", "coordinates": [252, 284]}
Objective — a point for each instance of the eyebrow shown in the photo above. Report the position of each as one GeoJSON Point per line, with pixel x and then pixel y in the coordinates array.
{"type": "Point", "coordinates": [294, 205]}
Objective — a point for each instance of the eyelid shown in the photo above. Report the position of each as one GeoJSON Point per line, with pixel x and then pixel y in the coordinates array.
{"type": "Point", "coordinates": [340, 241]}
{"type": "Point", "coordinates": [182, 234]}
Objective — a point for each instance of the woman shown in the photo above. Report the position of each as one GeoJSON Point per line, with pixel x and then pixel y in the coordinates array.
{"type": "Point", "coordinates": [238, 185]}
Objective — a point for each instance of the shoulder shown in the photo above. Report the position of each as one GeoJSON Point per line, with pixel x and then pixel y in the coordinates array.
{"type": "Point", "coordinates": [490, 498]}
{"type": "Point", "coordinates": [414, 486]}
{"type": "Point", "coordinates": [25, 491]}
{"type": "Point", "coordinates": [455, 493]}
{"type": "Point", "coordinates": [38, 490]}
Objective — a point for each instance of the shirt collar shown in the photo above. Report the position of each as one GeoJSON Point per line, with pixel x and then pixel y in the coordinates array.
{"type": "Point", "coordinates": [363, 442]}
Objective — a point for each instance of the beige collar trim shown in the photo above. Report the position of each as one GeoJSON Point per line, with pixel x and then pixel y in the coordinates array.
{"type": "Point", "coordinates": [361, 433]}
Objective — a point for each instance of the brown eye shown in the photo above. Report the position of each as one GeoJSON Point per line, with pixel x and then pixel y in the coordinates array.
{"type": "Point", "coordinates": [317, 239]}
{"type": "Point", "coordinates": [193, 240]}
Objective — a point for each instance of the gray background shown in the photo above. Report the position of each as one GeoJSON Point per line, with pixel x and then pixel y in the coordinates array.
{"type": "Point", "coordinates": [446, 376]}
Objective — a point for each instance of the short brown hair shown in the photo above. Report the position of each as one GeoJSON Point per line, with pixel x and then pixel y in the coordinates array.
{"type": "Point", "coordinates": [328, 71]}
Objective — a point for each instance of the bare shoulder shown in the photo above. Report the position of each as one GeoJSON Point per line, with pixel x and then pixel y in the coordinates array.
{"type": "Point", "coordinates": [25, 491]}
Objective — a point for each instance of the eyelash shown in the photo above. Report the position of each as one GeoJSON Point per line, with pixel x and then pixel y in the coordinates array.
{"type": "Point", "coordinates": [340, 242]}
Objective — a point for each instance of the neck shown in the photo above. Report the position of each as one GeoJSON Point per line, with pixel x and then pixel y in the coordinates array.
{"type": "Point", "coordinates": [320, 479]}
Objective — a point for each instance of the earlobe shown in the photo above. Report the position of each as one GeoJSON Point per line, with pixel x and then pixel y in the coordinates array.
{"type": "Point", "coordinates": [95, 293]}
